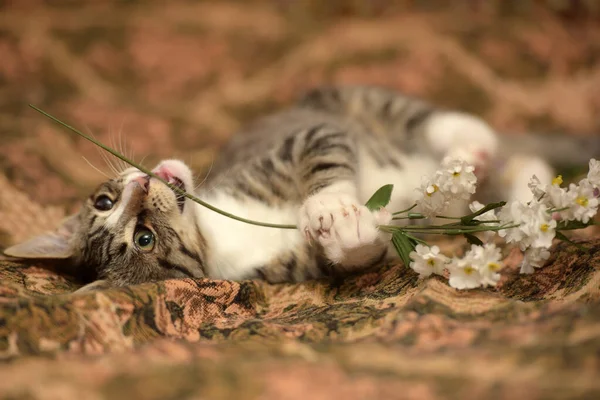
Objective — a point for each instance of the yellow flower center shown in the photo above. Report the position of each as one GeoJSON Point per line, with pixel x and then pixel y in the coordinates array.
{"type": "Point", "coordinates": [455, 174]}
{"type": "Point", "coordinates": [431, 262]}
{"type": "Point", "coordinates": [431, 190]}
{"type": "Point", "coordinates": [493, 266]}
{"type": "Point", "coordinates": [544, 227]}
{"type": "Point", "coordinates": [557, 181]}
{"type": "Point", "coordinates": [469, 270]}
{"type": "Point", "coordinates": [582, 201]}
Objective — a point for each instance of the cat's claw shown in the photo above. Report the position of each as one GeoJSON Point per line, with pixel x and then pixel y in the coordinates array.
{"type": "Point", "coordinates": [342, 226]}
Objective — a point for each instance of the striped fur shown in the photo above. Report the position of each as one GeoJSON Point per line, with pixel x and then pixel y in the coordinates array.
{"type": "Point", "coordinates": [314, 164]}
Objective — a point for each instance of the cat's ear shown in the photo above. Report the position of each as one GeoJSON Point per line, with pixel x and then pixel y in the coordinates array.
{"type": "Point", "coordinates": [51, 245]}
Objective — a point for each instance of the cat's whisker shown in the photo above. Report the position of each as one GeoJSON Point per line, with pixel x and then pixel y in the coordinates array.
{"type": "Point", "coordinates": [94, 167]}
{"type": "Point", "coordinates": [206, 176]}
{"type": "Point", "coordinates": [118, 164]}
{"type": "Point", "coordinates": [110, 159]}
{"type": "Point", "coordinates": [103, 154]}
{"type": "Point", "coordinates": [116, 145]}
{"type": "Point", "coordinates": [220, 181]}
{"type": "Point", "coordinates": [109, 163]}
{"type": "Point", "coordinates": [122, 147]}
{"type": "Point", "coordinates": [143, 159]}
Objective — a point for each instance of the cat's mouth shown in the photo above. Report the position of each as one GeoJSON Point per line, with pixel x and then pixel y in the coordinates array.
{"type": "Point", "coordinates": [177, 183]}
{"type": "Point", "coordinates": [179, 178]}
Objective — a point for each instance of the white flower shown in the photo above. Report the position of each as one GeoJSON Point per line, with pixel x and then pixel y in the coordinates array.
{"type": "Point", "coordinates": [427, 260]}
{"type": "Point", "coordinates": [512, 213]}
{"type": "Point", "coordinates": [594, 173]}
{"type": "Point", "coordinates": [536, 226]}
{"type": "Point", "coordinates": [489, 261]}
{"type": "Point", "coordinates": [457, 178]}
{"type": "Point", "coordinates": [479, 267]}
{"type": "Point", "coordinates": [579, 202]}
{"type": "Point", "coordinates": [534, 258]}
{"type": "Point", "coordinates": [539, 225]}
{"type": "Point", "coordinates": [537, 188]}
{"type": "Point", "coordinates": [432, 201]}
{"type": "Point", "coordinates": [464, 273]}
{"type": "Point", "coordinates": [559, 198]}
{"type": "Point", "coordinates": [454, 180]}
{"type": "Point", "coordinates": [584, 204]}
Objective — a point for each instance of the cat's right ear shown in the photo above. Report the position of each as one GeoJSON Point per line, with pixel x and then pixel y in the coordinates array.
{"type": "Point", "coordinates": [52, 245]}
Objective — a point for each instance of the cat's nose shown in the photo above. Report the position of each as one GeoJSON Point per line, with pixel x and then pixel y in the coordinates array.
{"type": "Point", "coordinates": [143, 181]}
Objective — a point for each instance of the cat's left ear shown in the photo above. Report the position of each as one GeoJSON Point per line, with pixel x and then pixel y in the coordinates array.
{"type": "Point", "coordinates": [52, 245]}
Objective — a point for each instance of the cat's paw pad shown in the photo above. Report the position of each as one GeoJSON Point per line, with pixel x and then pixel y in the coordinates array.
{"type": "Point", "coordinates": [340, 224]}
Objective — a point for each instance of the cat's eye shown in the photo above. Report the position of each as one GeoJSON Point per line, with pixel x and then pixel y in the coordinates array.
{"type": "Point", "coordinates": [144, 239]}
{"type": "Point", "coordinates": [103, 203]}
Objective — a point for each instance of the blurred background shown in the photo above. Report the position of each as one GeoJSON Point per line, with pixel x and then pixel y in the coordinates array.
{"type": "Point", "coordinates": [177, 78]}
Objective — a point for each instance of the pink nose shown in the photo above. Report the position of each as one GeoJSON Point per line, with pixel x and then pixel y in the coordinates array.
{"type": "Point", "coordinates": [143, 181]}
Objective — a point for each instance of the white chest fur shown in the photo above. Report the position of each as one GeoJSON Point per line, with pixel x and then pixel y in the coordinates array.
{"type": "Point", "coordinates": [236, 248]}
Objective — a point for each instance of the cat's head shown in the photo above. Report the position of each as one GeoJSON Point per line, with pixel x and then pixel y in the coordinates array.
{"type": "Point", "coordinates": [132, 229]}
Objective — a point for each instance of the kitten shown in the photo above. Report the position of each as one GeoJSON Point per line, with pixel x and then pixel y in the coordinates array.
{"type": "Point", "coordinates": [313, 165]}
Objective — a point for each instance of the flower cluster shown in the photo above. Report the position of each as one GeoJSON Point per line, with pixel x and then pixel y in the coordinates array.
{"type": "Point", "coordinates": [428, 260]}
{"type": "Point", "coordinates": [454, 180]}
{"type": "Point", "coordinates": [537, 221]}
{"type": "Point", "coordinates": [575, 203]}
{"type": "Point", "coordinates": [479, 267]}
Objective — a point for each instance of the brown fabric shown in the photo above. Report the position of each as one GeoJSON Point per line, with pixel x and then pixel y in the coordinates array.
{"type": "Point", "coordinates": [176, 79]}
{"type": "Point", "coordinates": [381, 334]}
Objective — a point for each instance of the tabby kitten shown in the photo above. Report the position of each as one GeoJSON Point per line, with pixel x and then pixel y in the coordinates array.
{"type": "Point", "coordinates": [313, 165]}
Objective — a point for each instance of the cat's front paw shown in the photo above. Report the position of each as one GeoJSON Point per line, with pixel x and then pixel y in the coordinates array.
{"type": "Point", "coordinates": [347, 230]}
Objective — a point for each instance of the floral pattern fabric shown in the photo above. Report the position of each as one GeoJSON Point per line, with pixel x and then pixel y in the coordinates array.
{"type": "Point", "coordinates": [375, 335]}
{"type": "Point", "coordinates": [176, 79]}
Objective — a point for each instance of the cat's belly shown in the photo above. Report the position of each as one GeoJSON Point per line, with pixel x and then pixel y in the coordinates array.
{"type": "Point", "coordinates": [405, 179]}
{"type": "Point", "coordinates": [237, 249]}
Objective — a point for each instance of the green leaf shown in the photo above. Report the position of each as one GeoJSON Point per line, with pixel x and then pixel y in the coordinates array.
{"type": "Point", "coordinates": [571, 225]}
{"type": "Point", "coordinates": [404, 246]}
{"type": "Point", "coordinates": [472, 239]}
{"type": "Point", "coordinates": [380, 198]}
{"type": "Point", "coordinates": [467, 219]}
{"type": "Point", "coordinates": [416, 240]}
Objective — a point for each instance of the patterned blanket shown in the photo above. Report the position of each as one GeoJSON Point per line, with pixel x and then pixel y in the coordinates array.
{"type": "Point", "coordinates": [177, 78]}
{"type": "Point", "coordinates": [383, 334]}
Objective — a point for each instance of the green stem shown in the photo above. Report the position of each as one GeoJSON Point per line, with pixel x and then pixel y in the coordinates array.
{"type": "Point", "coordinates": [444, 217]}
{"type": "Point", "coordinates": [445, 230]}
{"type": "Point", "coordinates": [405, 211]}
{"type": "Point", "coordinates": [174, 188]}
{"type": "Point", "coordinates": [410, 217]}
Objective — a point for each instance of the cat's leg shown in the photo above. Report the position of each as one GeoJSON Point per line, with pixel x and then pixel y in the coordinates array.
{"type": "Point", "coordinates": [414, 125]}
{"type": "Point", "coordinates": [418, 127]}
{"type": "Point", "coordinates": [470, 138]}
{"type": "Point", "coordinates": [331, 215]}
{"type": "Point", "coordinates": [463, 136]}
{"type": "Point", "coordinates": [517, 172]}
